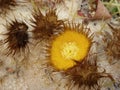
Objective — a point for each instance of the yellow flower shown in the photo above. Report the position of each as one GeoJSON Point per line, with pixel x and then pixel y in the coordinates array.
{"type": "Point", "coordinates": [69, 47]}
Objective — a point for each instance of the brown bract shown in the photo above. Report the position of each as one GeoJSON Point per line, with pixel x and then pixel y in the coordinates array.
{"type": "Point", "coordinates": [101, 12]}
{"type": "Point", "coordinates": [87, 75]}
{"type": "Point", "coordinates": [46, 25]}
{"type": "Point", "coordinates": [17, 37]}
{"type": "Point", "coordinates": [6, 5]}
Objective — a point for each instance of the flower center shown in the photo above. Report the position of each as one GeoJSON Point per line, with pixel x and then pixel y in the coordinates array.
{"type": "Point", "coordinates": [69, 50]}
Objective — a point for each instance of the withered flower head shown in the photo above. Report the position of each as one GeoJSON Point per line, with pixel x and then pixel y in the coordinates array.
{"type": "Point", "coordinates": [46, 25]}
{"type": "Point", "coordinates": [113, 45]}
{"type": "Point", "coordinates": [6, 5]}
{"type": "Point", "coordinates": [17, 37]}
{"type": "Point", "coordinates": [86, 74]}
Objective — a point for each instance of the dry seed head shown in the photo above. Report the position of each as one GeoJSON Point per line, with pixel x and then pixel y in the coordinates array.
{"type": "Point", "coordinates": [86, 74]}
{"type": "Point", "coordinates": [113, 45]}
{"type": "Point", "coordinates": [17, 37]}
{"type": "Point", "coordinates": [46, 25]}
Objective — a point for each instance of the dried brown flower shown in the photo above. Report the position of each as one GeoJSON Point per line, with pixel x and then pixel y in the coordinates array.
{"type": "Point", "coordinates": [113, 44]}
{"type": "Point", "coordinates": [87, 75]}
{"type": "Point", "coordinates": [46, 25]}
{"type": "Point", "coordinates": [17, 37]}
